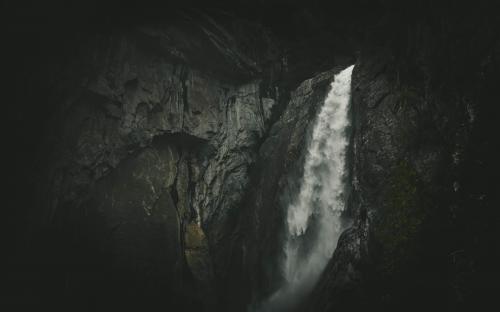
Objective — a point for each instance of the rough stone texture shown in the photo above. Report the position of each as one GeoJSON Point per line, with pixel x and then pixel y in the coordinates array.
{"type": "Point", "coordinates": [160, 175]}
{"type": "Point", "coordinates": [256, 242]}
{"type": "Point", "coordinates": [419, 135]}
{"type": "Point", "coordinates": [148, 155]}
{"type": "Point", "coordinates": [164, 154]}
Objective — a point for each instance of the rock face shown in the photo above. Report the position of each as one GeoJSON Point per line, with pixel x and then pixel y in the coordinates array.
{"type": "Point", "coordinates": [273, 183]}
{"type": "Point", "coordinates": [416, 118]}
{"type": "Point", "coordinates": [162, 179]}
{"type": "Point", "coordinates": [167, 153]}
{"type": "Point", "coordinates": [149, 156]}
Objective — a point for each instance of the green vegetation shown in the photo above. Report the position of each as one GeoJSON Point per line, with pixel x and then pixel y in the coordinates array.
{"type": "Point", "coordinates": [400, 218]}
{"type": "Point", "coordinates": [407, 95]}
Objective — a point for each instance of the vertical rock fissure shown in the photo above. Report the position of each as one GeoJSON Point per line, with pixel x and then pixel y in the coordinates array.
{"type": "Point", "coordinates": [314, 223]}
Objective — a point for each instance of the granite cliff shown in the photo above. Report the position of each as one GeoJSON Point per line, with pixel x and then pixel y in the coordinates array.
{"type": "Point", "coordinates": [155, 158]}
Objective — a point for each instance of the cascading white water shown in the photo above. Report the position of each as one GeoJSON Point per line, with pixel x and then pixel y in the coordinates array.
{"type": "Point", "coordinates": [313, 219]}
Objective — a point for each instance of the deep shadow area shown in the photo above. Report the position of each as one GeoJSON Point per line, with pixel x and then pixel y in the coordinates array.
{"type": "Point", "coordinates": [437, 55]}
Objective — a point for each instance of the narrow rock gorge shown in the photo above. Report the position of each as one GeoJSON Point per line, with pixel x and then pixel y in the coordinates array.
{"type": "Point", "coordinates": [195, 157]}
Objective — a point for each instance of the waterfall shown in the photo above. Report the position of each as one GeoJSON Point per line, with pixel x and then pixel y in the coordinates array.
{"type": "Point", "coordinates": [313, 218]}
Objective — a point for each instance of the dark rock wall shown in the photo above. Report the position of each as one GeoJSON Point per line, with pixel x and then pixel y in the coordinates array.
{"type": "Point", "coordinates": [161, 163]}
{"type": "Point", "coordinates": [274, 182]}
{"type": "Point", "coordinates": [147, 155]}
{"type": "Point", "coordinates": [423, 151]}
{"type": "Point", "coordinates": [152, 159]}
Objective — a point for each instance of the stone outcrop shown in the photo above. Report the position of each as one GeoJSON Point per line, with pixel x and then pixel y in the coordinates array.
{"type": "Point", "coordinates": [417, 114]}
{"type": "Point", "coordinates": [168, 156]}
{"type": "Point", "coordinates": [274, 180]}
{"type": "Point", "coordinates": [149, 153]}
{"type": "Point", "coordinates": [164, 154]}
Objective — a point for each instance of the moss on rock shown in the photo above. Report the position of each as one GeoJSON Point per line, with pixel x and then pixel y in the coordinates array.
{"type": "Point", "coordinates": [400, 219]}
